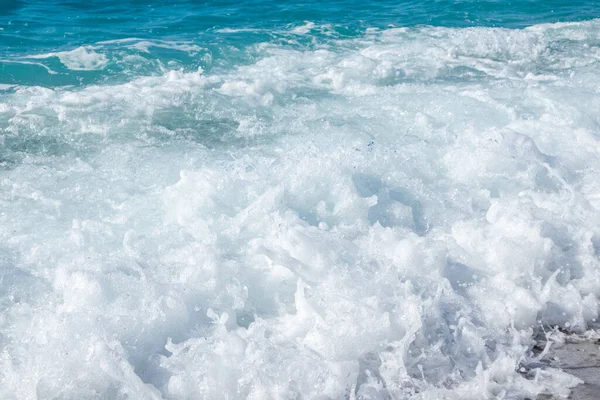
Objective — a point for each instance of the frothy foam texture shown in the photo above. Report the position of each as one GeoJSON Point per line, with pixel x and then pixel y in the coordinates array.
{"type": "Point", "coordinates": [394, 216]}
{"type": "Point", "coordinates": [79, 59]}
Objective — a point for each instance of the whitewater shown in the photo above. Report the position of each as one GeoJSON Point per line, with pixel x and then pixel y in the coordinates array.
{"type": "Point", "coordinates": [393, 214]}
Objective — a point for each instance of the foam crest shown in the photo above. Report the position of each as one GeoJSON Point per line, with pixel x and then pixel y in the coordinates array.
{"type": "Point", "coordinates": [79, 59]}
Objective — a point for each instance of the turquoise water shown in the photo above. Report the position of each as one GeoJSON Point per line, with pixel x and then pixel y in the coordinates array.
{"type": "Point", "coordinates": [296, 200]}
{"type": "Point", "coordinates": [38, 27]}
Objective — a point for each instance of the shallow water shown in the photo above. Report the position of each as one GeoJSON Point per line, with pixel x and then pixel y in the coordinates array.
{"type": "Point", "coordinates": [257, 200]}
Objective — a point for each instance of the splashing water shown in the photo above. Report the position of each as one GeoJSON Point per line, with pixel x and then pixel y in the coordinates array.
{"type": "Point", "coordinates": [260, 201]}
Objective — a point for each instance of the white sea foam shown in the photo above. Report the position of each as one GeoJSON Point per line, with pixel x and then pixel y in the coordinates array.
{"type": "Point", "coordinates": [50, 71]}
{"type": "Point", "coordinates": [186, 47]}
{"type": "Point", "coordinates": [388, 218]}
{"type": "Point", "coordinates": [120, 41]}
{"type": "Point", "coordinates": [304, 29]}
{"type": "Point", "coordinates": [79, 59]}
{"type": "Point", "coordinates": [236, 30]}
{"type": "Point", "coordinates": [144, 45]}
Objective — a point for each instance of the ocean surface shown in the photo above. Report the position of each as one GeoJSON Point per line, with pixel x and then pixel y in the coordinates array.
{"type": "Point", "coordinates": [296, 200]}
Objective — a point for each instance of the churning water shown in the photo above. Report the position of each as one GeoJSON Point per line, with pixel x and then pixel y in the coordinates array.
{"type": "Point", "coordinates": [295, 200]}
